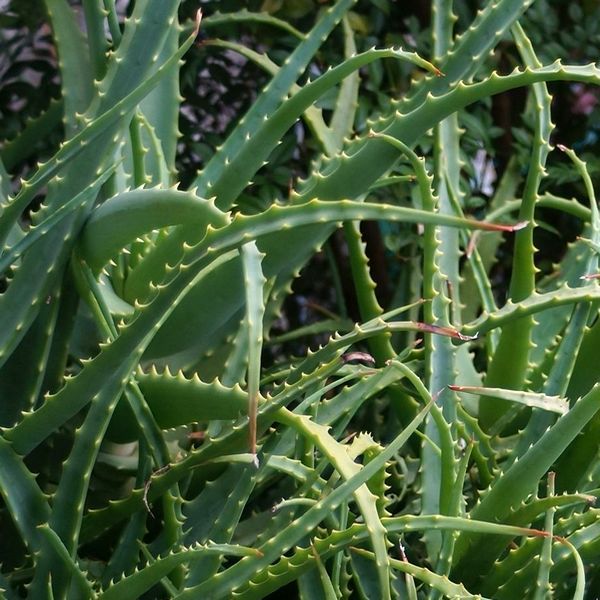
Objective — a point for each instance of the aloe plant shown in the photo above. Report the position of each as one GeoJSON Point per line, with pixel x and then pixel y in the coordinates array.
{"type": "Point", "coordinates": [148, 447]}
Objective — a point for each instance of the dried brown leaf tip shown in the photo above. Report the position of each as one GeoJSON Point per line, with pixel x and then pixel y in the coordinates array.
{"type": "Point", "coordinates": [361, 357]}
{"type": "Point", "coordinates": [465, 388]}
{"type": "Point", "coordinates": [500, 227]}
{"type": "Point", "coordinates": [447, 331]}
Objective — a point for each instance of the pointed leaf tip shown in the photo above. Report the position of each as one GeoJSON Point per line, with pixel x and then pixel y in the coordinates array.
{"type": "Point", "coordinates": [447, 331]}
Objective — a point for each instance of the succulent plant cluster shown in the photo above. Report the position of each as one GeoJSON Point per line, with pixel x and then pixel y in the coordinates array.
{"type": "Point", "coordinates": [444, 446]}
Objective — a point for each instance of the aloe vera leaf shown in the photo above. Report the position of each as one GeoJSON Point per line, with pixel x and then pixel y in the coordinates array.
{"type": "Point", "coordinates": [45, 226]}
{"type": "Point", "coordinates": [460, 65]}
{"type": "Point", "coordinates": [487, 246]}
{"type": "Point", "coordinates": [160, 108]}
{"type": "Point", "coordinates": [231, 441]}
{"type": "Point", "coordinates": [345, 177]}
{"type": "Point", "coordinates": [251, 154]}
{"type": "Point", "coordinates": [347, 468]}
{"type": "Point", "coordinates": [517, 483]}
{"type": "Point", "coordinates": [22, 375]}
{"type": "Point", "coordinates": [146, 423]}
{"type": "Point", "coordinates": [324, 326]}
{"type": "Point", "coordinates": [95, 127]}
{"type": "Point", "coordinates": [61, 337]}
{"type": "Point", "coordinates": [254, 282]}
{"type": "Point", "coordinates": [155, 162]}
{"type": "Point", "coordinates": [571, 347]}
{"type": "Point", "coordinates": [564, 358]}
{"type": "Point", "coordinates": [136, 584]}
{"type": "Point", "coordinates": [272, 96]}
{"type": "Point", "coordinates": [249, 157]}
{"type": "Point", "coordinates": [440, 279]}
{"type": "Point", "coordinates": [149, 23]}
{"type": "Point", "coordinates": [344, 113]}
{"type": "Point", "coordinates": [276, 218]}
{"type": "Point", "coordinates": [554, 404]}
{"type": "Point", "coordinates": [221, 530]}
{"type": "Point", "coordinates": [533, 509]}
{"type": "Point", "coordinates": [96, 38]}
{"type": "Point", "coordinates": [166, 581]}
{"type": "Point", "coordinates": [22, 146]}
{"type": "Point", "coordinates": [580, 544]}
{"type": "Point", "coordinates": [22, 299]}
{"type": "Point", "coordinates": [465, 56]}
{"type": "Point", "coordinates": [483, 454]}
{"type": "Point", "coordinates": [221, 297]}
{"type": "Point", "coordinates": [442, 493]}
{"type": "Point", "coordinates": [65, 519]}
{"type": "Point", "coordinates": [119, 97]}
{"type": "Point", "coordinates": [441, 254]}
{"type": "Point", "coordinates": [80, 586]}
{"type": "Point", "coordinates": [534, 304]}
{"type": "Point", "coordinates": [113, 21]}
{"type": "Point", "coordinates": [74, 62]}
{"type": "Point", "coordinates": [391, 180]}
{"type": "Point", "coordinates": [510, 362]}
{"type": "Point", "coordinates": [135, 152]}
{"type": "Point", "coordinates": [446, 441]}
{"type": "Point", "coordinates": [143, 418]}
{"type": "Point", "coordinates": [519, 581]}
{"type": "Point", "coordinates": [177, 400]}
{"type": "Point", "coordinates": [128, 215]}
{"type": "Point", "coordinates": [245, 227]}
{"type": "Point", "coordinates": [511, 568]}
{"type": "Point", "coordinates": [236, 365]}
{"type": "Point", "coordinates": [288, 569]}
{"type": "Point", "coordinates": [578, 593]}
{"type": "Point", "coordinates": [542, 584]}
{"type": "Point", "coordinates": [438, 582]}
{"type": "Point", "coordinates": [312, 115]}
{"type": "Point", "coordinates": [326, 589]}
{"type": "Point", "coordinates": [202, 511]}
{"type": "Point", "coordinates": [223, 583]}
{"type": "Point", "coordinates": [294, 468]}
{"type": "Point", "coordinates": [126, 554]}
{"type": "Point", "coordinates": [107, 366]}
{"type": "Point", "coordinates": [28, 505]}
{"type": "Point", "coordinates": [245, 16]}
{"type": "Point", "coordinates": [361, 164]}
{"type": "Point", "coordinates": [368, 304]}
{"type": "Point", "coordinates": [456, 507]}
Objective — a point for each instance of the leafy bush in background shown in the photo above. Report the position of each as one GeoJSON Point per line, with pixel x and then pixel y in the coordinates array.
{"type": "Point", "coordinates": [165, 431]}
